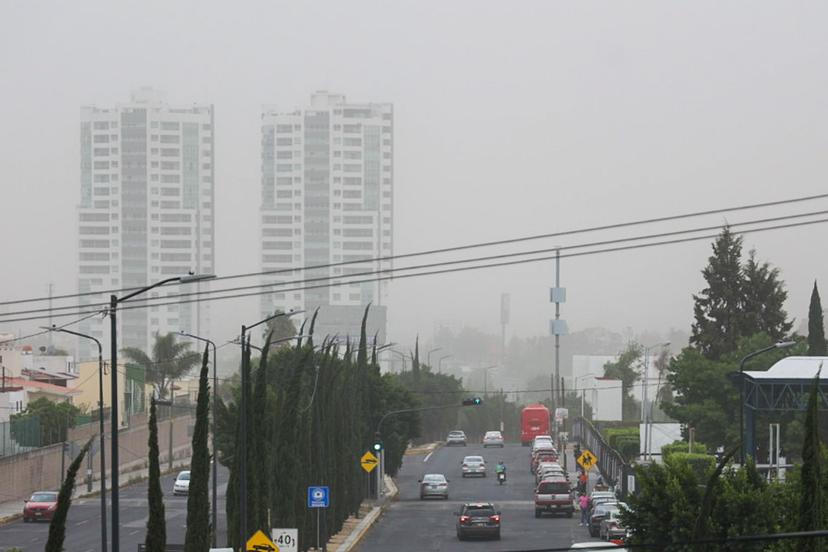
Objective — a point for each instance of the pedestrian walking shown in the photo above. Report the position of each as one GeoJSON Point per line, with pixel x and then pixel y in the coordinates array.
{"type": "Point", "coordinates": [583, 503]}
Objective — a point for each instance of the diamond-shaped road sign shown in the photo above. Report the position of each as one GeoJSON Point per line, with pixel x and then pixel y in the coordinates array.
{"type": "Point", "coordinates": [368, 461]}
{"type": "Point", "coordinates": [587, 460]}
{"type": "Point", "coordinates": [260, 542]}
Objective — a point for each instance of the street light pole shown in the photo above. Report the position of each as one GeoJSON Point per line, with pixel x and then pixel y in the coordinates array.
{"type": "Point", "coordinates": [215, 453]}
{"type": "Point", "coordinates": [243, 419]}
{"type": "Point", "coordinates": [486, 378]}
{"type": "Point", "coordinates": [428, 355]}
{"type": "Point", "coordinates": [101, 423]}
{"type": "Point", "coordinates": [645, 415]}
{"type": "Point", "coordinates": [113, 307]}
{"type": "Point", "coordinates": [402, 357]}
{"type": "Point", "coordinates": [440, 362]}
{"type": "Point", "coordinates": [779, 345]}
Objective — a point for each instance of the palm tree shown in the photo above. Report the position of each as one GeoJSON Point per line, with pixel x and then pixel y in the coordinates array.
{"type": "Point", "coordinates": [170, 360]}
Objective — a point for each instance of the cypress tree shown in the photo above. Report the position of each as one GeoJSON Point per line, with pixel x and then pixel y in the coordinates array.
{"type": "Point", "coordinates": [262, 450]}
{"type": "Point", "coordinates": [156, 539]}
{"type": "Point", "coordinates": [198, 498]}
{"type": "Point", "coordinates": [811, 513]}
{"type": "Point", "coordinates": [57, 527]}
{"type": "Point", "coordinates": [816, 331]}
{"type": "Point", "coordinates": [763, 296]}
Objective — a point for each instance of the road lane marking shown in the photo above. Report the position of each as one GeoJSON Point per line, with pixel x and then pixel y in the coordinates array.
{"type": "Point", "coordinates": [81, 522]}
{"type": "Point", "coordinates": [428, 456]}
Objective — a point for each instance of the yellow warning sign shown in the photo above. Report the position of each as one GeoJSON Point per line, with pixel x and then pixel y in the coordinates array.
{"type": "Point", "coordinates": [587, 460]}
{"type": "Point", "coordinates": [368, 461]}
{"type": "Point", "coordinates": [260, 542]}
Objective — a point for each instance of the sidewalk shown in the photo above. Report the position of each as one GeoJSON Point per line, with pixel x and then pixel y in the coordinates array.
{"type": "Point", "coordinates": [13, 510]}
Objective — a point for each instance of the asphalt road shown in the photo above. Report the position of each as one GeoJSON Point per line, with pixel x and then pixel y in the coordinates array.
{"type": "Point", "coordinates": [414, 525]}
{"type": "Point", "coordinates": [83, 526]}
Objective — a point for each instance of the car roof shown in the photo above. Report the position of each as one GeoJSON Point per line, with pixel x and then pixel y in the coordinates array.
{"type": "Point", "coordinates": [456, 431]}
{"type": "Point", "coordinates": [472, 457]}
{"type": "Point", "coordinates": [478, 505]}
{"type": "Point", "coordinates": [434, 475]}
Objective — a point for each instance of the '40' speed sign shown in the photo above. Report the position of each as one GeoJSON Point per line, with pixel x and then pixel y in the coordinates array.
{"type": "Point", "coordinates": [285, 539]}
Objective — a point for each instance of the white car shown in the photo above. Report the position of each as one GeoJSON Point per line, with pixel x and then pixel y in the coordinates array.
{"type": "Point", "coordinates": [542, 442]}
{"type": "Point", "coordinates": [493, 439]}
{"type": "Point", "coordinates": [182, 483]}
{"type": "Point", "coordinates": [474, 465]}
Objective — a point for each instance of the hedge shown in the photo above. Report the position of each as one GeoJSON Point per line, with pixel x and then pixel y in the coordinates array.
{"type": "Point", "coordinates": [682, 446]}
{"type": "Point", "coordinates": [701, 464]}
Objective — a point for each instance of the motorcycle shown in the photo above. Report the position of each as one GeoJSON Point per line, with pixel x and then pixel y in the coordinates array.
{"type": "Point", "coordinates": [501, 477]}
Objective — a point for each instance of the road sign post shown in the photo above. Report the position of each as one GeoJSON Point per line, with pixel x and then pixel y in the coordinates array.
{"type": "Point", "coordinates": [318, 497]}
{"type": "Point", "coordinates": [587, 460]}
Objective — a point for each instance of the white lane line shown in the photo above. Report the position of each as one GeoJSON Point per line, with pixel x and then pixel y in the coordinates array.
{"type": "Point", "coordinates": [81, 522]}
{"type": "Point", "coordinates": [428, 456]}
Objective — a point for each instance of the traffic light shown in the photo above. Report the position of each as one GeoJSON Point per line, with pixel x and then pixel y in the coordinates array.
{"type": "Point", "coordinates": [476, 401]}
{"type": "Point", "coordinates": [376, 446]}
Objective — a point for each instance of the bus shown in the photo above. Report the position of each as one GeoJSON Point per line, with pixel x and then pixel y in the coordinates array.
{"type": "Point", "coordinates": [534, 420]}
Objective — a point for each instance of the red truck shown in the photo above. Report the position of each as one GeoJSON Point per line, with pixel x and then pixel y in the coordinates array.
{"type": "Point", "coordinates": [534, 420]}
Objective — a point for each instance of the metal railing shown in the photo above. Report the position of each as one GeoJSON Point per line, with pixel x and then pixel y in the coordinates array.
{"type": "Point", "coordinates": [611, 464]}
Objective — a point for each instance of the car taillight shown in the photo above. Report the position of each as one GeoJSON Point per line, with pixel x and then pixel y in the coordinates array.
{"type": "Point", "coordinates": [464, 519]}
{"type": "Point", "coordinates": [495, 518]}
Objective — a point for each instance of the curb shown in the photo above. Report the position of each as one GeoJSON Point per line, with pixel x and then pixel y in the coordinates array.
{"type": "Point", "coordinates": [369, 520]}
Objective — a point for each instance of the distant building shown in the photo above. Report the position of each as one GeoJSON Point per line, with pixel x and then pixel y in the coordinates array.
{"type": "Point", "coordinates": [146, 210]}
{"type": "Point", "coordinates": [327, 198]}
{"type": "Point", "coordinates": [133, 391]}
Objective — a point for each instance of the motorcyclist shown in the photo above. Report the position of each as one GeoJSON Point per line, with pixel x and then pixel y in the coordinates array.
{"type": "Point", "coordinates": [500, 468]}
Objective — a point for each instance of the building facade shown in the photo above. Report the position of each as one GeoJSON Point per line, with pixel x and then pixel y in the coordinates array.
{"type": "Point", "coordinates": [327, 199]}
{"type": "Point", "coordinates": [146, 212]}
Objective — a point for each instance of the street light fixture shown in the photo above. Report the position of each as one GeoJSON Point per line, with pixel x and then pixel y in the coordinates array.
{"type": "Point", "coordinates": [215, 454]}
{"type": "Point", "coordinates": [114, 300]}
{"type": "Point", "coordinates": [54, 328]}
{"type": "Point", "coordinates": [779, 345]}
{"type": "Point", "coordinates": [243, 419]}
{"type": "Point", "coordinates": [428, 355]}
{"type": "Point", "coordinates": [583, 391]}
{"type": "Point", "coordinates": [402, 356]}
{"type": "Point", "coordinates": [440, 362]}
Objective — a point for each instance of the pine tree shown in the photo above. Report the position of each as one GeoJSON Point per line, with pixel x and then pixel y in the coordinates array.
{"type": "Point", "coordinates": [57, 527]}
{"type": "Point", "coordinates": [156, 539]}
{"type": "Point", "coordinates": [763, 296]}
{"type": "Point", "coordinates": [816, 331]}
{"type": "Point", "coordinates": [198, 499]}
{"type": "Point", "coordinates": [811, 514]}
{"type": "Point", "coordinates": [717, 308]}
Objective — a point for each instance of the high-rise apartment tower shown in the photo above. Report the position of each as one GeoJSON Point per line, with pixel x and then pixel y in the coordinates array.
{"type": "Point", "coordinates": [327, 198]}
{"type": "Point", "coordinates": [146, 211]}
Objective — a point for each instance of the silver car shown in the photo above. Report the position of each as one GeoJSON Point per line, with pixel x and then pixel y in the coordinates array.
{"type": "Point", "coordinates": [493, 439]}
{"type": "Point", "coordinates": [182, 483]}
{"type": "Point", "coordinates": [474, 465]}
{"type": "Point", "coordinates": [456, 437]}
{"type": "Point", "coordinates": [434, 484]}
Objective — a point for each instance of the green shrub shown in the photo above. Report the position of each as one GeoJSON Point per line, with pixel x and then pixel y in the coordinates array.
{"type": "Point", "coordinates": [701, 464]}
{"type": "Point", "coordinates": [682, 446]}
{"type": "Point", "coordinates": [628, 446]}
{"type": "Point", "coordinates": [612, 435]}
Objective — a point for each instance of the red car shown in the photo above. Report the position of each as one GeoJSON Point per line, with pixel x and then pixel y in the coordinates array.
{"type": "Point", "coordinates": [555, 496]}
{"type": "Point", "coordinates": [41, 505]}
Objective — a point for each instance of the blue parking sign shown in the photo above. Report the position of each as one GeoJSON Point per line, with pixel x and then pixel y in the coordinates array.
{"type": "Point", "coordinates": [318, 497]}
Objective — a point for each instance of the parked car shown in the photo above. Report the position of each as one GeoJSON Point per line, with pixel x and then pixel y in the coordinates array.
{"type": "Point", "coordinates": [473, 465]}
{"type": "Point", "coordinates": [41, 505]}
{"type": "Point", "coordinates": [547, 470]}
{"type": "Point", "coordinates": [543, 456]}
{"type": "Point", "coordinates": [592, 545]}
{"type": "Point", "coordinates": [493, 439]}
{"type": "Point", "coordinates": [182, 483]}
{"type": "Point", "coordinates": [434, 484]}
{"type": "Point", "coordinates": [612, 528]}
{"type": "Point", "coordinates": [555, 496]}
{"type": "Point", "coordinates": [542, 442]}
{"type": "Point", "coordinates": [478, 519]}
{"type": "Point", "coordinates": [598, 514]}
{"type": "Point", "coordinates": [456, 437]}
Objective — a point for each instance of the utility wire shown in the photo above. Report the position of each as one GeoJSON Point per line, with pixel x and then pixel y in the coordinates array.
{"type": "Point", "coordinates": [435, 272]}
{"type": "Point", "coordinates": [614, 226]}
{"type": "Point", "coordinates": [345, 279]}
{"type": "Point", "coordinates": [79, 320]}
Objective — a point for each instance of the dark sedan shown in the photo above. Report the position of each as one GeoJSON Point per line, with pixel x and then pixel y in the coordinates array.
{"type": "Point", "coordinates": [478, 519]}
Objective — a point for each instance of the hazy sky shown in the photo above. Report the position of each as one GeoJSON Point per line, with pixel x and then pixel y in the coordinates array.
{"type": "Point", "coordinates": [511, 118]}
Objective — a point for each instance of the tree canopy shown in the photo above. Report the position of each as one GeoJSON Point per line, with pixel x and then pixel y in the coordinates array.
{"type": "Point", "coordinates": [816, 331]}
{"type": "Point", "coordinates": [170, 361]}
{"type": "Point", "coordinates": [626, 369]}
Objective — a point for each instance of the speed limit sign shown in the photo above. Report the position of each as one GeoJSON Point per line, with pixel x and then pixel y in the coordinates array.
{"type": "Point", "coordinates": [285, 539]}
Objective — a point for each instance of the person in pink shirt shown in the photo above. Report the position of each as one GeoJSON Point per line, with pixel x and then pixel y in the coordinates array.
{"type": "Point", "coordinates": [583, 503]}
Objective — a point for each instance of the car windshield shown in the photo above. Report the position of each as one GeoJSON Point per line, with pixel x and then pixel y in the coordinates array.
{"type": "Point", "coordinates": [553, 487]}
{"type": "Point", "coordinates": [473, 460]}
{"type": "Point", "coordinates": [184, 476]}
{"type": "Point", "coordinates": [456, 434]}
{"type": "Point", "coordinates": [493, 434]}
{"type": "Point", "coordinates": [479, 510]}
{"type": "Point", "coordinates": [43, 497]}
{"type": "Point", "coordinates": [434, 478]}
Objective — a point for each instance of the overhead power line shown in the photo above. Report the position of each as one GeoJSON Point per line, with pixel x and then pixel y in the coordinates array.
{"type": "Point", "coordinates": [614, 226]}
{"type": "Point", "coordinates": [442, 271]}
{"type": "Point", "coordinates": [348, 279]}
